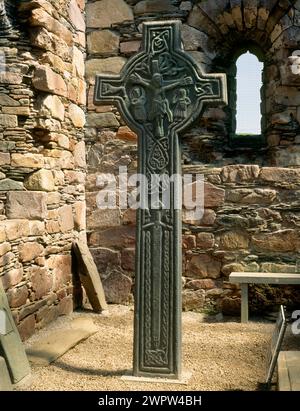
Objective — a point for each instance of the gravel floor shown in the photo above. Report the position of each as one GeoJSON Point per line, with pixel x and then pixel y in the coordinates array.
{"type": "Point", "coordinates": [221, 355]}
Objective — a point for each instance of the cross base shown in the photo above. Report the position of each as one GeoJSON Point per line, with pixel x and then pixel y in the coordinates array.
{"type": "Point", "coordinates": [183, 380]}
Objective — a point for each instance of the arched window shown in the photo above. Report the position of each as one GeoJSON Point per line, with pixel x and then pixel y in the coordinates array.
{"type": "Point", "coordinates": [249, 84]}
{"type": "Point", "coordinates": [246, 98]}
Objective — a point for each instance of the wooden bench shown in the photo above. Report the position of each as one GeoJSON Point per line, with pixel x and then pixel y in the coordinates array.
{"type": "Point", "coordinates": [245, 278]}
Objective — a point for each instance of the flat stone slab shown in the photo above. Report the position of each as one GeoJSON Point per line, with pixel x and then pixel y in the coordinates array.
{"type": "Point", "coordinates": [5, 383]}
{"type": "Point", "coordinates": [11, 345]}
{"type": "Point", "coordinates": [184, 380]}
{"type": "Point", "coordinates": [60, 341]}
{"type": "Point", "coordinates": [289, 371]}
{"type": "Point", "coordinates": [89, 276]}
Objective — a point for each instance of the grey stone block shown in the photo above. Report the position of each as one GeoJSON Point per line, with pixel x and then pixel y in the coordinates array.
{"type": "Point", "coordinates": [5, 383]}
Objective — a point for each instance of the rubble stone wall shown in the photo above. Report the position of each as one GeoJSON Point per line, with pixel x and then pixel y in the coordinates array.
{"type": "Point", "coordinates": [42, 155]}
{"type": "Point", "coordinates": [252, 214]}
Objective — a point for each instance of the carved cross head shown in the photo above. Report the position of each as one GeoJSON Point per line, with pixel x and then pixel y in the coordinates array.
{"type": "Point", "coordinates": [161, 90]}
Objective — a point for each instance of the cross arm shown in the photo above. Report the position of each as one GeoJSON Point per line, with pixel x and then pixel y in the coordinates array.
{"type": "Point", "coordinates": [109, 89]}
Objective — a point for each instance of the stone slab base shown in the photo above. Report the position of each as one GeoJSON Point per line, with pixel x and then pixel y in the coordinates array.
{"type": "Point", "coordinates": [184, 380]}
{"type": "Point", "coordinates": [289, 371]}
{"type": "Point", "coordinates": [5, 383]}
{"type": "Point", "coordinates": [60, 341]}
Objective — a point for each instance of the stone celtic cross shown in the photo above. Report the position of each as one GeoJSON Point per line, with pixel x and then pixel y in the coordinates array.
{"type": "Point", "coordinates": [159, 93]}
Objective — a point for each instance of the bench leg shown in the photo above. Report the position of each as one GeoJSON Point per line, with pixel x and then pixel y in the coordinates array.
{"type": "Point", "coordinates": [244, 303]}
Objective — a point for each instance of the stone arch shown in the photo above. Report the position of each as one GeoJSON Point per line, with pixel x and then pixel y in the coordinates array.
{"type": "Point", "coordinates": [270, 30]}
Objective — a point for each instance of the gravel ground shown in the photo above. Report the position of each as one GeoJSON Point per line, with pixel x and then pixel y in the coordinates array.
{"type": "Point", "coordinates": [222, 355]}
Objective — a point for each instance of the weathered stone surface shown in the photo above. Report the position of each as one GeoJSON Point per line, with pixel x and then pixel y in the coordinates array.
{"type": "Point", "coordinates": [39, 17]}
{"type": "Point", "coordinates": [278, 268]}
{"type": "Point", "coordinates": [111, 65]}
{"type": "Point", "coordinates": [193, 39]}
{"type": "Point", "coordinates": [36, 228]}
{"type": "Point", "coordinates": [128, 259]}
{"type": "Point", "coordinates": [102, 120]}
{"type": "Point", "coordinates": [103, 219]}
{"type": "Point", "coordinates": [130, 47]}
{"type": "Point", "coordinates": [76, 16]}
{"type": "Point", "coordinates": [76, 115]}
{"type": "Point", "coordinates": [114, 237]}
{"type": "Point", "coordinates": [6, 259]}
{"type": "Point", "coordinates": [248, 196]}
{"type": "Point", "coordinates": [59, 342]}
{"type": "Point", "coordinates": [5, 383]}
{"type": "Point", "coordinates": [29, 251]}
{"type": "Point", "coordinates": [188, 242]}
{"type": "Point", "coordinates": [105, 258]}
{"type": "Point", "coordinates": [46, 315]}
{"type": "Point", "coordinates": [287, 96]}
{"type": "Point", "coordinates": [193, 300]}
{"type": "Point", "coordinates": [281, 241]}
{"type": "Point", "coordinates": [61, 266]}
{"type": "Point", "coordinates": [154, 6]}
{"type": "Point", "coordinates": [89, 275]}
{"type": "Point", "coordinates": [203, 266]}
{"type": "Point", "coordinates": [80, 215]}
{"type": "Point", "coordinates": [16, 229]}
{"type": "Point", "coordinates": [124, 133]}
{"type": "Point", "coordinates": [27, 160]}
{"type": "Point", "coordinates": [10, 185]}
{"type": "Point", "coordinates": [209, 218]}
{"type": "Point", "coordinates": [26, 327]}
{"type": "Point", "coordinates": [105, 13]}
{"type": "Point", "coordinates": [8, 101]}
{"type": "Point", "coordinates": [17, 296]}
{"type": "Point", "coordinates": [4, 159]}
{"type": "Point", "coordinates": [47, 80]}
{"type": "Point", "coordinates": [205, 240]}
{"type": "Point", "coordinates": [29, 205]}
{"type": "Point", "coordinates": [51, 106]}
{"type": "Point", "coordinates": [66, 220]}
{"type": "Point", "coordinates": [206, 284]}
{"type": "Point", "coordinates": [41, 180]}
{"type": "Point", "coordinates": [79, 154]}
{"type": "Point", "coordinates": [41, 281]}
{"type": "Point", "coordinates": [287, 156]}
{"type": "Point", "coordinates": [12, 277]}
{"type": "Point", "coordinates": [117, 287]}
{"type": "Point", "coordinates": [18, 111]}
{"type": "Point", "coordinates": [7, 77]}
{"type": "Point", "coordinates": [213, 196]}
{"type": "Point", "coordinates": [103, 42]}
{"type": "Point", "coordinates": [4, 248]}
{"type": "Point", "coordinates": [232, 267]}
{"type": "Point", "coordinates": [239, 173]}
{"type": "Point", "coordinates": [8, 120]}
{"type": "Point", "coordinates": [233, 240]}
{"type": "Point", "coordinates": [280, 175]}
{"type": "Point", "coordinates": [65, 306]}
{"type": "Point", "coordinates": [78, 63]}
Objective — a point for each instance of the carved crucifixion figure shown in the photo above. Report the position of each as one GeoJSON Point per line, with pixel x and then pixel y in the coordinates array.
{"type": "Point", "coordinates": [159, 93]}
